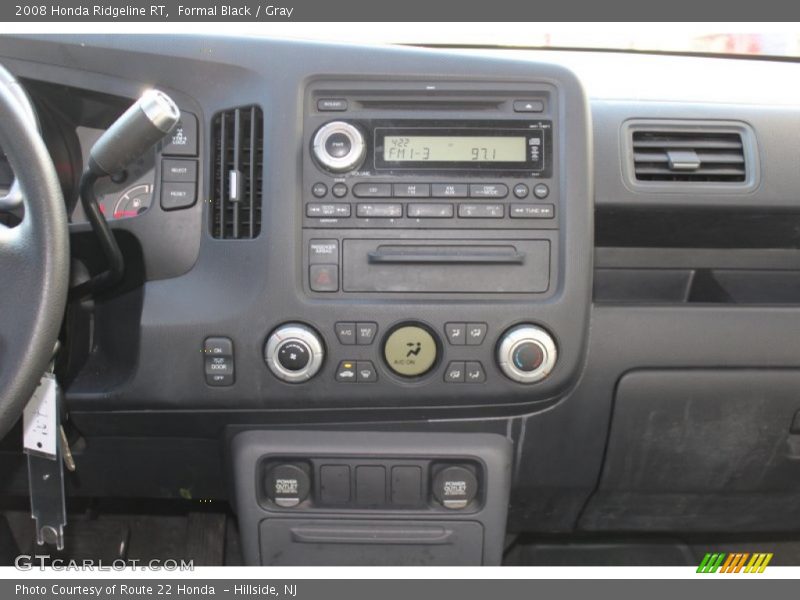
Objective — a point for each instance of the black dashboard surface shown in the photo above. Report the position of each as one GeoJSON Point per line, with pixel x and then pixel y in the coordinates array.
{"type": "Point", "coordinates": [638, 298]}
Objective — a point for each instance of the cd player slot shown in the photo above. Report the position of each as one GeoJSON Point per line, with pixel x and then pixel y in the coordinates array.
{"type": "Point", "coordinates": [446, 266]}
{"type": "Point", "coordinates": [432, 104]}
{"type": "Point", "coordinates": [466, 255]}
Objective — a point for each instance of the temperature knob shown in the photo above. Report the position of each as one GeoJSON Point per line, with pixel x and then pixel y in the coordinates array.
{"type": "Point", "coordinates": [339, 146]}
{"type": "Point", "coordinates": [294, 352]}
{"type": "Point", "coordinates": [526, 353]}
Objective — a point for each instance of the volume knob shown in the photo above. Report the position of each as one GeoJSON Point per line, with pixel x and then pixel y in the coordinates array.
{"type": "Point", "coordinates": [526, 353]}
{"type": "Point", "coordinates": [339, 146]}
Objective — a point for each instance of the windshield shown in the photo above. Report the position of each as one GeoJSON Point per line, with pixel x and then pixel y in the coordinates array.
{"type": "Point", "coordinates": [734, 39]}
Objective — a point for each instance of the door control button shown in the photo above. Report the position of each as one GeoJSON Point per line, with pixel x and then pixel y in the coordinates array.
{"type": "Point", "coordinates": [288, 485]}
{"type": "Point", "coordinates": [294, 352]}
{"type": "Point", "coordinates": [455, 487]}
{"type": "Point", "coordinates": [410, 350]}
{"type": "Point", "coordinates": [454, 373]}
{"type": "Point", "coordinates": [219, 365]}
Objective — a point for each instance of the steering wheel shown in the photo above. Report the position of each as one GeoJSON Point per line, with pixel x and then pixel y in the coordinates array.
{"type": "Point", "coordinates": [34, 256]}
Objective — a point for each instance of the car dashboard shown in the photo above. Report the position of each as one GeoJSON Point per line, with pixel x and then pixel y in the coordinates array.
{"type": "Point", "coordinates": [397, 289]}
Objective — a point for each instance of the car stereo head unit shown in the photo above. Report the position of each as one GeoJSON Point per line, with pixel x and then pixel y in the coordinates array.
{"type": "Point", "coordinates": [427, 147]}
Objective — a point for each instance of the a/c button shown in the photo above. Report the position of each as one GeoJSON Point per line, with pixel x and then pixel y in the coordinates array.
{"type": "Point", "coordinates": [410, 351]}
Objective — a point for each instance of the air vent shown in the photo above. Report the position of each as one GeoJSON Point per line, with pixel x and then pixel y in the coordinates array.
{"type": "Point", "coordinates": [691, 156]}
{"type": "Point", "coordinates": [238, 170]}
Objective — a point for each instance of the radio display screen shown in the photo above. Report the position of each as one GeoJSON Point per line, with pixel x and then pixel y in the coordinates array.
{"type": "Point", "coordinates": [458, 149]}
{"type": "Point", "coordinates": [478, 147]}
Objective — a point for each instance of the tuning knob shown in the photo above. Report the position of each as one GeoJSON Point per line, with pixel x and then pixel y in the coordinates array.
{"type": "Point", "coordinates": [526, 353]}
{"type": "Point", "coordinates": [294, 352]}
{"type": "Point", "coordinates": [339, 146]}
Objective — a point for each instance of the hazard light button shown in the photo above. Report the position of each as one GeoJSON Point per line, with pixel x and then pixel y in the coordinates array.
{"type": "Point", "coordinates": [324, 278]}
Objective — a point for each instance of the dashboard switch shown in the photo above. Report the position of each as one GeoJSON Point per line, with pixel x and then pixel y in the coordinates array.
{"type": "Point", "coordinates": [173, 169]}
{"type": "Point", "coordinates": [406, 486]}
{"type": "Point", "coordinates": [183, 141]}
{"type": "Point", "coordinates": [365, 372]}
{"type": "Point", "coordinates": [176, 195]}
{"type": "Point", "coordinates": [365, 333]}
{"type": "Point", "coordinates": [346, 371]}
{"type": "Point", "coordinates": [324, 278]}
{"type": "Point", "coordinates": [219, 366]}
{"type": "Point", "coordinates": [334, 484]}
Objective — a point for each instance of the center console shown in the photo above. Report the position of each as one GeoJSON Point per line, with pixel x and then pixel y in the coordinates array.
{"type": "Point", "coordinates": [443, 229]}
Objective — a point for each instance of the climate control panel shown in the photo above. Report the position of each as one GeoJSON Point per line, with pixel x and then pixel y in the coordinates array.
{"type": "Point", "coordinates": [411, 351]}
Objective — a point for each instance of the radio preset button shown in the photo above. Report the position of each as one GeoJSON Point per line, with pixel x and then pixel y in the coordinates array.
{"type": "Point", "coordinates": [381, 211]}
{"type": "Point", "coordinates": [532, 211]}
{"type": "Point", "coordinates": [488, 190]}
{"type": "Point", "coordinates": [412, 190]}
{"type": "Point", "coordinates": [339, 190]}
{"type": "Point", "coordinates": [430, 211]}
{"type": "Point", "coordinates": [449, 190]}
{"type": "Point", "coordinates": [319, 189]}
{"type": "Point", "coordinates": [373, 190]}
{"type": "Point", "coordinates": [481, 211]}
{"type": "Point", "coordinates": [521, 190]}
